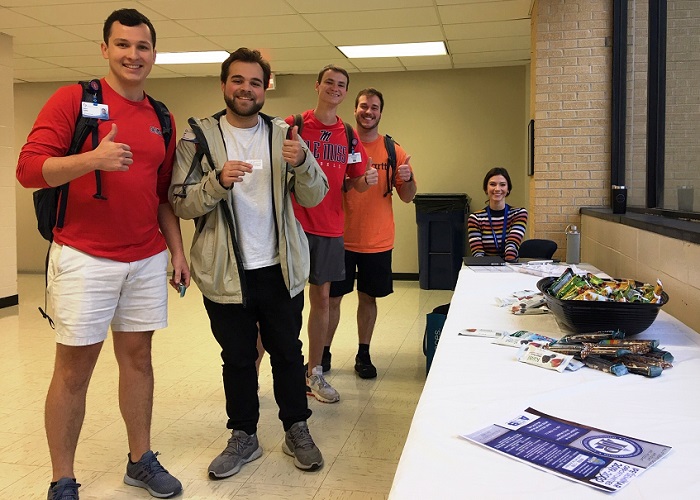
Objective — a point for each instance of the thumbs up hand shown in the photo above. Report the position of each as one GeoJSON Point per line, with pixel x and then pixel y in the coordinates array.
{"type": "Point", "coordinates": [111, 155]}
{"type": "Point", "coordinates": [371, 174]}
{"type": "Point", "coordinates": [292, 152]}
{"type": "Point", "coordinates": [404, 170]}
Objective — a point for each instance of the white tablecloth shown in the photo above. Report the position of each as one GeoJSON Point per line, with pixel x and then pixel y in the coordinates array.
{"type": "Point", "coordinates": [473, 383]}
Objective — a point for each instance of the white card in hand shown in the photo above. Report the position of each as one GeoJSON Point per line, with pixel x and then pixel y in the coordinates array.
{"type": "Point", "coordinates": [257, 163]}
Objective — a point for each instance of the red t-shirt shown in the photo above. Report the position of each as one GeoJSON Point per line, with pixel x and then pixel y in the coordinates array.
{"type": "Point", "coordinates": [125, 226]}
{"type": "Point", "coordinates": [369, 216]}
{"type": "Point", "coordinates": [329, 145]}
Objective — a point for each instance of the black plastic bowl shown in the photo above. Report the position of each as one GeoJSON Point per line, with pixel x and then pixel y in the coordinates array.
{"type": "Point", "coordinates": [582, 316]}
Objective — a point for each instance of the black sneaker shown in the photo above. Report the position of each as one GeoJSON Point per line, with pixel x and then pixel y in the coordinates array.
{"type": "Point", "coordinates": [65, 489]}
{"type": "Point", "coordinates": [364, 366]}
{"type": "Point", "coordinates": [326, 361]}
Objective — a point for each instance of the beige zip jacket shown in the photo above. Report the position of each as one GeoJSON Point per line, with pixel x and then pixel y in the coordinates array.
{"type": "Point", "coordinates": [195, 193]}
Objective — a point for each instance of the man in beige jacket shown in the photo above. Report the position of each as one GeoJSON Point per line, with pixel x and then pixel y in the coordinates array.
{"type": "Point", "coordinates": [234, 174]}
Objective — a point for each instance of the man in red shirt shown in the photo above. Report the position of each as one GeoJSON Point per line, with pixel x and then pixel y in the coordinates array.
{"type": "Point", "coordinates": [108, 264]}
{"type": "Point", "coordinates": [369, 229]}
{"type": "Point", "coordinates": [325, 134]}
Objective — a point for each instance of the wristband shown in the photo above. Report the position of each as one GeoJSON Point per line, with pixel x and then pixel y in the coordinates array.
{"type": "Point", "coordinates": [410, 179]}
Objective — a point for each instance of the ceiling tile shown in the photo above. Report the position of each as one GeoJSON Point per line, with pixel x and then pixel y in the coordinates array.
{"type": "Point", "coordinates": [430, 67]}
{"type": "Point", "coordinates": [489, 44]}
{"type": "Point", "coordinates": [301, 53]}
{"type": "Point", "coordinates": [76, 61]}
{"type": "Point", "coordinates": [377, 62]}
{"type": "Point", "coordinates": [485, 57]}
{"type": "Point", "coordinates": [212, 69]}
{"type": "Point", "coordinates": [92, 12]}
{"type": "Point", "coordinates": [517, 27]}
{"type": "Point", "coordinates": [270, 41]}
{"type": "Point", "coordinates": [58, 49]}
{"type": "Point", "coordinates": [11, 19]}
{"type": "Point", "coordinates": [87, 31]}
{"type": "Point", "coordinates": [216, 9]}
{"type": "Point", "coordinates": [47, 34]}
{"type": "Point", "coordinates": [30, 63]}
{"type": "Point", "coordinates": [376, 19]}
{"type": "Point", "coordinates": [186, 44]}
{"type": "Point", "coordinates": [485, 11]}
{"type": "Point", "coordinates": [419, 61]}
{"type": "Point", "coordinates": [313, 6]}
{"type": "Point", "coordinates": [388, 35]}
{"type": "Point", "coordinates": [307, 66]}
{"type": "Point", "coordinates": [248, 25]}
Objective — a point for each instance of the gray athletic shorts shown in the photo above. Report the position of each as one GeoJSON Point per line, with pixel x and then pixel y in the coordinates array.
{"type": "Point", "coordinates": [327, 259]}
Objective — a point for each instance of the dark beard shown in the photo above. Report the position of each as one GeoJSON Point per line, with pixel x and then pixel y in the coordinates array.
{"type": "Point", "coordinates": [231, 104]}
{"type": "Point", "coordinates": [376, 124]}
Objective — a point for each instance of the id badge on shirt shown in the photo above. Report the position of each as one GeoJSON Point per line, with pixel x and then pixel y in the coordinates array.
{"type": "Point", "coordinates": [354, 158]}
{"type": "Point", "coordinates": [92, 110]}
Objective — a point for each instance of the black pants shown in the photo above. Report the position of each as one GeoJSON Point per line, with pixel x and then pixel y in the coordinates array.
{"type": "Point", "coordinates": [236, 329]}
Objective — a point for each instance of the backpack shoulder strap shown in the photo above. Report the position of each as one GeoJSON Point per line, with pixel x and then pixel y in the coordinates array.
{"type": "Point", "coordinates": [299, 122]}
{"type": "Point", "coordinates": [390, 146]}
{"type": "Point", "coordinates": [163, 114]}
{"type": "Point", "coordinates": [351, 137]}
{"type": "Point", "coordinates": [92, 92]}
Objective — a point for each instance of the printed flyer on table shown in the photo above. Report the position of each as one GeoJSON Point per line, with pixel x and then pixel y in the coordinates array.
{"type": "Point", "coordinates": [584, 454]}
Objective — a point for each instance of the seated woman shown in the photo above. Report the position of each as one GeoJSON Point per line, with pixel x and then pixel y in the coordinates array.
{"type": "Point", "coordinates": [499, 228]}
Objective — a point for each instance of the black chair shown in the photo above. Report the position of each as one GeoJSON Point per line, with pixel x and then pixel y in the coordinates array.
{"type": "Point", "coordinates": [537, 249]}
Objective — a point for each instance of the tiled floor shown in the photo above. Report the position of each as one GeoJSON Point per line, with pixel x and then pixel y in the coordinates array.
{"type": "Point", "coordinates": [361, 437]}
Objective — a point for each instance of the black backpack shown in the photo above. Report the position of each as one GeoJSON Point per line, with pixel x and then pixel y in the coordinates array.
{"type": "Point", "coordinates": [50, 203]}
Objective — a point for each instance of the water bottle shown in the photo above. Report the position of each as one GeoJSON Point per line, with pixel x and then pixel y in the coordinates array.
{"type": "Point", "coordinates": [573, 245]}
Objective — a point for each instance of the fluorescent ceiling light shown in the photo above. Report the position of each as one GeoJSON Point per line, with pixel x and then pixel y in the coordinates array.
{"type": "Point", "coordinates": [394, 50]}
{"type": "Point", "coordinates": [212, 56]}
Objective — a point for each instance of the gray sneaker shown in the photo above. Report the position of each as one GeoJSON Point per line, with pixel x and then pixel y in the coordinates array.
{"type": "Point", "coordinates": [299, 444]}
{"type": "Point", "coordinates": [318, 387]}
{"type": "Point", "coordinates": [241, 449]}
{"type": "Point", "coordinates": [65, 489]}
{"type": "Point", "coordinates": [149, 474]}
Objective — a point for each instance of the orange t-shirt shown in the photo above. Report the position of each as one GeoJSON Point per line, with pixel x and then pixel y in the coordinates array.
{"type": "Point", "coordinates": [369, 218]}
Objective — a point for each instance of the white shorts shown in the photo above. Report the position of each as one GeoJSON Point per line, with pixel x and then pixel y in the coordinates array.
{"type": "Point", "coordinates": [88, 293]}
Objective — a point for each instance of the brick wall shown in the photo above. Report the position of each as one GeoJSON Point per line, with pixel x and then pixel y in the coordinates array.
{"type": "Point", "coordinates": [572, 66]}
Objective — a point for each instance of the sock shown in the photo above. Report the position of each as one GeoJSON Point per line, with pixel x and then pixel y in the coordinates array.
{"type": "Point", "coordinates": [363, 349]}
{"type": "Point", "coordinates": [326, 350]}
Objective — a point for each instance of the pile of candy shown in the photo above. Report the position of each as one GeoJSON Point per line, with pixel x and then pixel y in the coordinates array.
{"type": "Point", "coordinates": [610, 352]}
{"type": "Point", "coordinates": [571, 286]}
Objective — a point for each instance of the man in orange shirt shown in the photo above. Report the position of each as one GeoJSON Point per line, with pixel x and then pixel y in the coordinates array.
{"type": "Point", "coordinates": [369, 228]}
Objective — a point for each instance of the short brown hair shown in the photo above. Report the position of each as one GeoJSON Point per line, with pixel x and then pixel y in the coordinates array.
{"type": "Point", "coordinates": [369, 92]}
{"type": "Point", "coordinates": [127, 17]}
{"type": "Point", "coordinates": [247, 55]}
{"type": "Point", "coordinates": [337, 69]}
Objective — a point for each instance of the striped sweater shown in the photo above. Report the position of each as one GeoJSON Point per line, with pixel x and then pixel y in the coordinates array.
{"type": "Point", "coordinates": [481, 232]}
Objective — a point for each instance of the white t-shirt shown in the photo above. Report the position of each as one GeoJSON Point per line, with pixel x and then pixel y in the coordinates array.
{"type": "Point", "coordinates": [252, 198]}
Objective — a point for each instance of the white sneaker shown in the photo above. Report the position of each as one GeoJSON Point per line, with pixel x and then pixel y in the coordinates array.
{"type": "Point", "coordinates": [318, 387]}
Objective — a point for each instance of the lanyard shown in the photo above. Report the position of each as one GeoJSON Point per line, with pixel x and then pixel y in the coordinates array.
{"type": "Point", "coordinates": [505, 224]}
